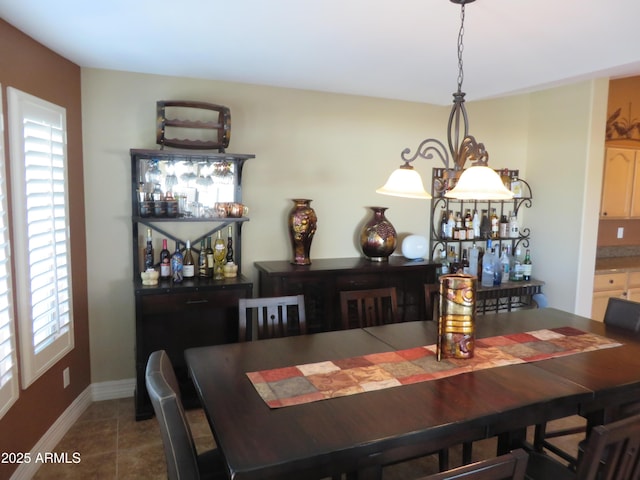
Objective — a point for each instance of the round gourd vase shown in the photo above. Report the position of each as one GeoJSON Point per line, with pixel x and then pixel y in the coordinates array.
{"type": "Point", "coordinates": [302, 227]}
{"type": "Point", "coordinates": [378, 237]}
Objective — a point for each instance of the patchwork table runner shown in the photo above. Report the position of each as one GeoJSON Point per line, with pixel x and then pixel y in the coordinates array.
{"type": "Point", "coordinates": [295, 385]}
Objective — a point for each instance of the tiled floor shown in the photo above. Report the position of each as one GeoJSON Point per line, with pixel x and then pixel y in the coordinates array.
{"type": "Point", "coordinates": [112, 445]}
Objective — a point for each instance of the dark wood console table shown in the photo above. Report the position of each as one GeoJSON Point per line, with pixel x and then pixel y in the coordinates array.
{"type": "Point", "coordinates": [322, 281]}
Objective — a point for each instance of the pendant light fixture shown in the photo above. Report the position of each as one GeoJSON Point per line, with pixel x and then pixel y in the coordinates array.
{"type": "Point", "coordinates": [478, 182]}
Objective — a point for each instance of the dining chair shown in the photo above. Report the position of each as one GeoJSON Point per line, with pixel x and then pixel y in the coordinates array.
{"type": "Point", "coordinates": [620, 313]}
{"type": "Point", "coordinates": [274, 317]}
{"type": "Point", "coordinates": [612, 452]}
{"type": "Point", "coordinates": [510, 466]}
{"type": "Point", "coordinates": [183, 461]}
{"type": "Point", "coordinates": [368, 308]}
{"type": "Point", "coordinates": [431, 296]}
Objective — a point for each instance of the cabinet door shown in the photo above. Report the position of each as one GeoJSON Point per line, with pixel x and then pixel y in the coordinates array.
{"type": "Point", "coordinates": [617, 185]}
{"type": "Point", "coordinates": [633, 294]}
{"type": "Point", "coordinates": [600, 301]}
{"type": "Point", "coordinates": [635, 198]}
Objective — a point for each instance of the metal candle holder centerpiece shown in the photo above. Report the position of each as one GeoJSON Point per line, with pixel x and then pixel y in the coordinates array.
{"type": "Point", "coordinates": [457, 316]}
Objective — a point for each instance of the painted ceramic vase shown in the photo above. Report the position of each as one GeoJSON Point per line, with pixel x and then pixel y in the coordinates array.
{"type": "Point", "coordinates": [378, 237]}
{"type": "Point", "coordinates": [302, 227]}
{"type": "Point", "coordinates": [457, 319]}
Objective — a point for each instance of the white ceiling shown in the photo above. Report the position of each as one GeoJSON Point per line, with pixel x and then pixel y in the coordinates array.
{"type": "Point", "coordinates": [400, 49]}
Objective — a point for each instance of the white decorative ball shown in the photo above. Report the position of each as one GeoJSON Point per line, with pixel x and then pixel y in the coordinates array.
{"type": "Point", "coordinates": [414, 247]}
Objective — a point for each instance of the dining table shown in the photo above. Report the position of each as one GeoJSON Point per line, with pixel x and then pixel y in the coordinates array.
{"type": "Point", "coordinates": [361, 433]}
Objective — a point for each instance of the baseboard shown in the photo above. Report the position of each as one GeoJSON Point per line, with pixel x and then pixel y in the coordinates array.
{"type": "Point", "coordinates": [112, 390]}
{"type": "Point", "coordinates": [55, 433]}
{"type": "Point", "coordinates": [95, 392]}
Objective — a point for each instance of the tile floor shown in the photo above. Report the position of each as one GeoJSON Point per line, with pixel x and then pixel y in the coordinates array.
{"type": "Point", "coordinates": [112, 445]}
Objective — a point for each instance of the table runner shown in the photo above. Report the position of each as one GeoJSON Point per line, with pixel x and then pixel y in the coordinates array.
{"type": "Point", "coordinates": [299, 384]}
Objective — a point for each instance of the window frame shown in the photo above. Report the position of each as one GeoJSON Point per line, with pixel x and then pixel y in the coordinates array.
{"type": "Point", "coordinates": [9, 391]}
{"type": "Point", "coordinates": [34, 364]}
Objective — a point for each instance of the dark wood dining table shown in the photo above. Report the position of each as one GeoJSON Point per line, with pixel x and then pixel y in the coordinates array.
{"type": "Point", "coordinates": [361, 433]}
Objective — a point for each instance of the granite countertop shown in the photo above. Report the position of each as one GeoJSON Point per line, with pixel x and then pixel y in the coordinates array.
{"type": "Point", "coordinates": [617, 263]}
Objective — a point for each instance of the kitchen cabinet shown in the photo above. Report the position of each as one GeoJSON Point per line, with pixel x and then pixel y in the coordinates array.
{"type": "Point", "coordinates": [614, 284]}
{"type": "Point", "coordinates": [621, 184]}
{"type": "Point", "coordinates": [196, 312]}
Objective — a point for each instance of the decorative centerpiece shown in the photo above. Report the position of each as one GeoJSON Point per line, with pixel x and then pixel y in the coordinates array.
{"type": "Point", "coordinates": [150, 277]}
{"type": "Point", "coordinates": [457, 318]}
{"type": "Point", "coordinates": [378, 237]}
{"type": "Point", "coordinates": [414, 247]}
{"type": "Point", "coordinates": [302, 226]}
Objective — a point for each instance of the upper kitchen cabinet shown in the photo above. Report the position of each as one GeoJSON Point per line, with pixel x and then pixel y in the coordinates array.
{"type": "Point", "coordinates": [621, 184]}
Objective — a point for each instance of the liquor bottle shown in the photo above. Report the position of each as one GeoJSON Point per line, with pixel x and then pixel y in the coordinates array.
{"type": "Point", "coordinates": [504, 226]}
{"type": "Point", "coordinates": [177, 268]}
{"type": "Point", "coordinates": [516, 266]}
{"type": "Point", "coordinates": [485, 226]}
{"type": "Point", "coordinates": [488, 266]}
{"type": "Point", "coordinates": [210, 262]}
{"type": "Point", "coordinates": [514, 231]}
{"type": "Point", "coordinates": [464, 263]}
{"type": "Point", "coordinates": [453, 260]}
{"type": "Point", "coordinates": [526, 267]}
{"type": "Point", "coordinates": [203, 270]}
{"type": "Point", "coordinates": [188, 267]}
{"type": "Point", "coordinates": [229, 258]}
{"type": "Point", "coordinates": [219, 254]}
{"type": "Point", "coordinates": [495, 224]}
{"type": "Point", "coordinates": [451, 225]}
{"type": "Point", "coordinates": [148, 251]}
{"type": "Point", "coordinates": [474, 255]}
{"type": "Point", "coordinates": [444, 262]}
{"type": "Point", "coordinates": [497, 267]}
{"type": "Point", "coordinates": [505, 264]}
{"type": "Point", "coordinates": [165, 261]}
{"type": "Point", "coordinates": [468, 225]}
{"type": "Point", "coordinates": [443, 226]}
{"type": "Point", "coordinates": [475, 222]}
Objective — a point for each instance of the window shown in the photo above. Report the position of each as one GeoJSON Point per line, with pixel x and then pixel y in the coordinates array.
{"type": "Point", "coordinates": [42, 255]}
{"type": "Point", "coordinates": [8, 369]}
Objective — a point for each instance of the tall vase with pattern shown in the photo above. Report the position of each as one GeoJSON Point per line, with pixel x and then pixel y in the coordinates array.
{"type": "Point", "coordinates": [378, 237]}
{"type": "Point", "coordinates": [302, 227]}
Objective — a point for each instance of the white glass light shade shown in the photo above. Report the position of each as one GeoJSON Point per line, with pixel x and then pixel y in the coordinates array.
{"type": "Point", "coordinates": [404, 182]}
{"type": "Point", "coordinates": [480, 183]}
{"type": "Point", "coordinates": [414, 247]}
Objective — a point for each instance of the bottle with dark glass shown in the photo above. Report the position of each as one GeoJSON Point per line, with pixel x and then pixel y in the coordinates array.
{"type": "Point", "coordinates": [210, 261]}
{"type": "Point", "coordinates": [165, 261]}
{"type": "Point", "coordinates": [177, 270]}
{"type": "Point", "coordinates": [229, 258]}
{"type": "Point", "coordinates": [203, 271]}
{"type": "Point", "coordinates": [148, 251]}
{"type": "Point", "coordinates": [527, 266]}
{"type": "Point", "coordinates": [188, 266]}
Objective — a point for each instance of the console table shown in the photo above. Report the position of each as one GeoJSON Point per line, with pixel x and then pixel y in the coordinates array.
{"type": "Point", "coordinates": [322, 281]}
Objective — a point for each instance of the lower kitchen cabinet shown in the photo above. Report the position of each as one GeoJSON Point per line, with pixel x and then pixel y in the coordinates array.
{"type": "Point", "coordinates": [173, 318]}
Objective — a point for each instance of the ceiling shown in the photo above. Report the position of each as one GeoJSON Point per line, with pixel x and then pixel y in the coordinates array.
{"type": "Point", "coordinates": [401, 49]}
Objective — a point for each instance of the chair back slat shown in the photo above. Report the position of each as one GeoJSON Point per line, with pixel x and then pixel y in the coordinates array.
{"type": "Point", "coordinates": [612, 452]}
{"type": "Point", "coordinates": [510, 466]}
{"type": "Point", "coordinates": [274, 317]}
{"type": "Point", "coordinates": [367, 308]}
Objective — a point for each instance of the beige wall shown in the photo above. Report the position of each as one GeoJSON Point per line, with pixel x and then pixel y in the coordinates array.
{"type": "Point", "coordinates": [334, 149]}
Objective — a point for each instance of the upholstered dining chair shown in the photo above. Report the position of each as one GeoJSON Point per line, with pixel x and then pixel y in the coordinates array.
{"type": "Point", "coordinates": [510, 466]}
{"type": "Point", "coordinates": [367, 308]}
{"type": "Point", "coordinates": [275, 317]}
{"type": "Point", "coordinates": [622, 314]}
{"type": "Point", "coordinates": [183, 461]}
{"type": "Point", "coordinates": [612, 452]}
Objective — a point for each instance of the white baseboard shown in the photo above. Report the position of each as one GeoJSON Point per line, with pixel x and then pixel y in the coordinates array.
{"type": "Point", "coordinates": [93, 393]}
{"type": "Point", "coordinates": [112, 390]}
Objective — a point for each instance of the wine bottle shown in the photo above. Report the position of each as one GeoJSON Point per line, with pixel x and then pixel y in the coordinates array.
{"type": "Point", "coordinates": [177, 270]}
{"type": "Point", "coordinates": [165, 261]}
{"type": "Point", "coordinates": [203, 271]}
{"type": "Point", "coordinates": [219, 254]}
{"type": "Point", "coordinates": [230, 245]}
{"type": "Point", "coordinates": [210, 262]}
{"type": "Point", "coordinates": [527, 267]}
{"type": "Point", "coordinates": [188, 267]}
{"type": "Point", "coordinates": [148, 251]}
